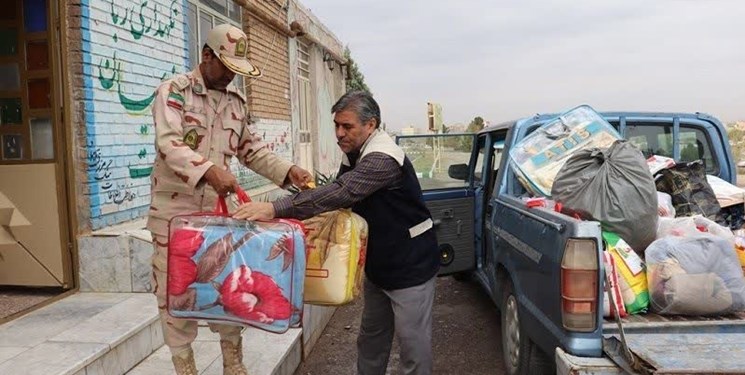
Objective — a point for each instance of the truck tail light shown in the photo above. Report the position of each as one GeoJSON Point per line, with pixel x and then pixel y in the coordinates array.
{"type": "Point", "coordinates": [579, 285]}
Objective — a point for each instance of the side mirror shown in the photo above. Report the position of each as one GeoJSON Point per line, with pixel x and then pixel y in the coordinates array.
{"type": "Point", "coordinates": [458, 171]}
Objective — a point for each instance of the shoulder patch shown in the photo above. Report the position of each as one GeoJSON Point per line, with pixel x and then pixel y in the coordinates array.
{"type": "Point", "coordinates": [180, 82]}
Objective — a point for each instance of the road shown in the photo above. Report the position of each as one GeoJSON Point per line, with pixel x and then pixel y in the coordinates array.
{"type": "Point", "coordinates": [466, 336]}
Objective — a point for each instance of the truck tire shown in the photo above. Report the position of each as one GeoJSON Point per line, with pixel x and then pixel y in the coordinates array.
{"type": "Point", "coordinates": [521, 355]}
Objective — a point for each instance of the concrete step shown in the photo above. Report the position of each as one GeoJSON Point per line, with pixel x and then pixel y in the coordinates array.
{"type": "Point", "coordinates": [83, 334]}
{"type": "Point", "coordinates": [120, 333]}
{"type": "Point", "coordinates": [264, 353]}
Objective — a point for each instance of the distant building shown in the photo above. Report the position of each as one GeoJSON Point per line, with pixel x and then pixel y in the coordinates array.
{"type": "Point", "coordinates": [457, 128]}
{"type": "Point", "coordinates": [409, 130]}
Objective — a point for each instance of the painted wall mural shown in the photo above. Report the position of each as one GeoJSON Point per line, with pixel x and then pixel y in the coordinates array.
{"type": "Point", "coordinates": [276, 134]}
{"type": "Point", "coordinates": [129, 47]}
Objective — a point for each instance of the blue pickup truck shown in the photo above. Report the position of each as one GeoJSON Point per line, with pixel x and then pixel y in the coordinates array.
{"type": "Point", "coordinates": [543, 269]}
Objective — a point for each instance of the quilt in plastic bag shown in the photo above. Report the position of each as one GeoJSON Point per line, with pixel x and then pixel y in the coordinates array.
{"type": "Point", "coordinates": [538, 157]}
{"type": "Point", "coordinates": [236, 271]}
{"type": "Point", "coordinates": [337, 245]}
{"type": "Point", "coordinates": [697, 275]}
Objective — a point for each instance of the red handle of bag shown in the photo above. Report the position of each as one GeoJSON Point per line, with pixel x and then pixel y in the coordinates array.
{"type": "Point", "coordinates": [222, 204]}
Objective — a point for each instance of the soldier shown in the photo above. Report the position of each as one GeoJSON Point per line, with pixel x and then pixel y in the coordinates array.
{"type": "Point", "coordinates": [201, 124]}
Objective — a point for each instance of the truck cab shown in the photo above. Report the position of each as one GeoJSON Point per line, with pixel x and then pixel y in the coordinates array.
{"type": "Point", "coordinates": [544, 269]}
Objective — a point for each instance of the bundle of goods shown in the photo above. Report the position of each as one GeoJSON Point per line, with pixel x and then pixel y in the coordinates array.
{"type": "Point", "coordinates": [726, 193]}
{"type": "Point", "coordinates": [337, 243]}
{"type": "Point", "coordinates": [690, 191]}
{"type": "Point", "coordinates": [236, 271]}
{"type": "Point", "coordinates": [695, 275]}
{"type": "Point", "coordinates": [732, 200]}
{"type": "Point", "coordinates": [538, 157]}
{"type": "Point", "coordinates": [613, 186]}
{"type": "Point", "coordinates": [632, 271]}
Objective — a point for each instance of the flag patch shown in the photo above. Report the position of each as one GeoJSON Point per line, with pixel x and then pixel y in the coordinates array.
{"type": "Point", "coordinates": [175, 100]}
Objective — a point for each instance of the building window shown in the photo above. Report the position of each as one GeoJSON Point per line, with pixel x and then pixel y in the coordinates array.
{"type": "Point", "coordinates": [303, 74]}
{"type": "Point", "coordinates": [27, 84]}
{"type": "Point", "coordinates": [203, 16]}
{"type": "Point", "coordinates": [304, 100]}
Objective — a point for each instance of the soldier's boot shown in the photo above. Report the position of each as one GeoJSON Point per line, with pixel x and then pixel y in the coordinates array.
{"type": "Point", "coordinates": [184, 363]}
{"type": "Point", "coordinates": [232, 357]}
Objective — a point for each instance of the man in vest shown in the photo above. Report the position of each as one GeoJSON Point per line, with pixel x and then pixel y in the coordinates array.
{"type": "Point", "coordinates": [201, 125]}
{"type": "Point", "coordinates": [378, 182]}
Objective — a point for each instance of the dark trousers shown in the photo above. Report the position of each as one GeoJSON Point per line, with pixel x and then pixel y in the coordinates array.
{"type": "Point", "coordinates": [408, 312]}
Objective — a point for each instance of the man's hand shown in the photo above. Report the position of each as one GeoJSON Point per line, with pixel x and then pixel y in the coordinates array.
{"type": "Point", "coordinates": [299, 177]}
{"type": "Point", "coordinates": [222, 181]}
{"type": "Point", "coordinates": [255, 211]}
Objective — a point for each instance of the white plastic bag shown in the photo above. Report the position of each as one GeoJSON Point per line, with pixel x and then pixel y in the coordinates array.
{"type": "Point", "coordinates": [657, 163]}
{"type": "Point", "coordinates": [691, 226]}
{"type": "Point", "coordinates": [665, 206]}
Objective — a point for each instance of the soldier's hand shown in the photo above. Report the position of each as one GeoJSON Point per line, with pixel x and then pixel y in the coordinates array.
{"type": "Point", "coordinates": [221, 180]}
{"type": "Point", "coordinates": [299, 177]}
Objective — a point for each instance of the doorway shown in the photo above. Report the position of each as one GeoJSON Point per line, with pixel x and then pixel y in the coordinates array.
{"type": "Point", "coordinates": [35, 246]}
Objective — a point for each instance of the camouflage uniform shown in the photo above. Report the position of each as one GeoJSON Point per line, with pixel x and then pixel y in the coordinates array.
{"type": "Point", "coordinates": [193, 133]}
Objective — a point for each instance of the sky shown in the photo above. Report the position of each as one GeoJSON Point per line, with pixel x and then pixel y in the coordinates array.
{"type": "Point", "coordinates": [503, 60]}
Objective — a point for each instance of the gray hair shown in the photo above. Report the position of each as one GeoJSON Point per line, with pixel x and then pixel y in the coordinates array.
{"type": "Point", "coordinates": [360, 102]}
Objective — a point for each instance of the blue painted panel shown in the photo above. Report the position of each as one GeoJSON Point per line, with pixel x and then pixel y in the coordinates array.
{"type": "Point", "coordinates": [35, 15]}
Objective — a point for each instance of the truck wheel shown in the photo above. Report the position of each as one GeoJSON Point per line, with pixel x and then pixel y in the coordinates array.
{"type": "Point", "coordinates": [521, 355]}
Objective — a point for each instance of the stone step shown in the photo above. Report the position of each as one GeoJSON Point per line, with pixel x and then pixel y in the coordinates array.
{"type": "Point", "coordinates": [83, 334]}
{"type": "Point", "coordinates": [120, 333]}
{"type": "Point", "coordinates": [264, 353]}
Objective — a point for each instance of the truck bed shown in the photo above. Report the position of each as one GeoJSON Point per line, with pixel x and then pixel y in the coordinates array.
{"type": "Point", "coordinates": [675, 344]}
{"type": "Point", "coordinates": [654, 321]}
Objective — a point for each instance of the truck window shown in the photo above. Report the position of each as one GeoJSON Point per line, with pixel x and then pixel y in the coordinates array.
{"type": "Point", "coordinates": [651, 139]}
{"type": "Point", "coordinates": [695, 145]}
{"type": "Point", "coordinates": [657, 139]}
{"type": "Point", "coordinates": [433, 156]}
{"type": "Point", "coordinates": [478, 171]}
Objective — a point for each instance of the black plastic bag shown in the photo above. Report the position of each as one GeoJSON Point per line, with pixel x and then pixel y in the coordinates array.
{"type": "Point", "coordinates": [691, 193]}
{"type": "Point", "coordinates": [613, 186]}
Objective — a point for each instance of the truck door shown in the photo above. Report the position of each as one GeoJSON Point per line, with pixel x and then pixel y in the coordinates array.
{"type": "Point", "coordinates": [442, 165]}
